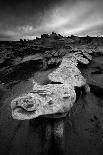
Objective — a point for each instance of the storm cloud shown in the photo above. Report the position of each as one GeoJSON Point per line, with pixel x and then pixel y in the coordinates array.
{"type": "Point", "coordinates": [28, 19]}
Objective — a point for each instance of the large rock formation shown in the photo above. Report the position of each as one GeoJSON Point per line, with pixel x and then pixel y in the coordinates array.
{"type": "Point", "coordinates": [51, 98]}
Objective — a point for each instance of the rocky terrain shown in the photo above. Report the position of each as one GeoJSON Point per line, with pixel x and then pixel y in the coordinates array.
{"type": "Point", "coordinates": [23, 61]}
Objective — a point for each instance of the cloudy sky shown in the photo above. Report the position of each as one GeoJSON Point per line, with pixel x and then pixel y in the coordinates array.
{"type": "Point", "coordinates": [31, 18]}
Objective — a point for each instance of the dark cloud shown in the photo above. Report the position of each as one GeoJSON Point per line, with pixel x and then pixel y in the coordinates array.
{"type": "Point", "coordinates": [26, 7]}
{"type": "Point", "coordinates": [30, 18]}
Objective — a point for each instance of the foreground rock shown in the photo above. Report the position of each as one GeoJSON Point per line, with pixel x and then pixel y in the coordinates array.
{"type": "Point", "coordinates": [51, 98]}
{"type": "Point", "coordinates": [44, 100]}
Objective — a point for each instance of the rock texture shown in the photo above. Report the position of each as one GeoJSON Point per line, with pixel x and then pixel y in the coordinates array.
{"type": "Point", "coordinates": [44, 100]}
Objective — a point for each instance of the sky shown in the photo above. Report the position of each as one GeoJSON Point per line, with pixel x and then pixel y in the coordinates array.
{"type": "Point", "coordinates": [28, 19]}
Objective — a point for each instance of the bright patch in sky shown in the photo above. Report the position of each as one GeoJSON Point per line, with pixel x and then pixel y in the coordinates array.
{"type": "Point", "coordinates": [72, 20]}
